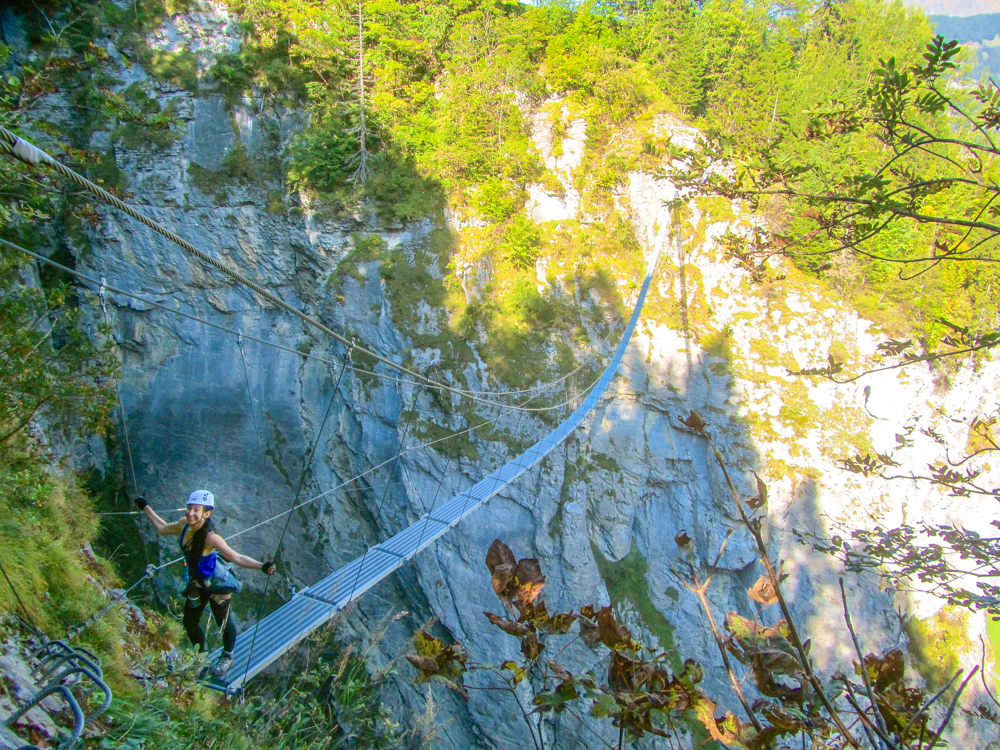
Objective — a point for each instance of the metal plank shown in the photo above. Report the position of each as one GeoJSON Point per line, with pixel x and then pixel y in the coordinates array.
{"type": "Point", "coordinates": [452, 509]}
{"type": "Point", "coordinates": [275, 635]}
{"type": "Point", "coordinates": [357, 575]}
{"type": "Point", "coordinates": [411, 539]}
{"type": "Point", "coordinates": [508, 472]}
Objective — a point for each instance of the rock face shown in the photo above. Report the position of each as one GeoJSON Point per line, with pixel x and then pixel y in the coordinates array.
{"type": "Point", "coordinates": [203, 414]}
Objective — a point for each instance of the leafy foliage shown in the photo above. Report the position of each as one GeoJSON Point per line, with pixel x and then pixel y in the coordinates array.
{"type": "Point", "coordinates": [50, 372]}
{"type": "Point", "coordinates": [640, 695]}
{"type": "Point", "coordinates": [912, 197]}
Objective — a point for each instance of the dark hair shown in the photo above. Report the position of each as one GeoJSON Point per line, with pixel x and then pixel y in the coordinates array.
{"type": "Point", "coordinates": [199, 537]}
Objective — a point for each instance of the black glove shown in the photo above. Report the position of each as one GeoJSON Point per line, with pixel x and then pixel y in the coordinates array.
{"type": "Point", "coordinates": [267, 568]}
{"type": "Point", "coordinates": [140, 502]}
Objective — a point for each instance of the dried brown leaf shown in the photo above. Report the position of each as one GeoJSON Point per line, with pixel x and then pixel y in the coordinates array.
{"type": "Point", "coordinates": [763, 591]}
{"type": "Point", "coordinates": [499, 554]}
{"type": "Point", "coordinates": [531, 647]}
{"type": "Point", "coordinates": [510, 627]}
{"type": "Point", "coordinates": [694, 421]}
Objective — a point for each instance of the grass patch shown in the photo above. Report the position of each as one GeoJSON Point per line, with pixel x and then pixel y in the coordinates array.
{"type": "Point", "coordinates": [936, 643]}
{"type": "Point", "coordinates": [626, 581]}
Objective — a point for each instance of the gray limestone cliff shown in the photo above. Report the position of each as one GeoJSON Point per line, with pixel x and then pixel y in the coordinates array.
{"type": "Point", "coordinates": [607, 503]}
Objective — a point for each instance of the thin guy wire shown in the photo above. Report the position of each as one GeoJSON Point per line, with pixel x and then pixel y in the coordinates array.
{"type": "Point", "coordinates": [20, 603]}
{"type": "Point", "coordinates": [118, 392]}
{"type": "Point", "coordinates": [115, 290]}
{"type": "Point", "coordinates": [607, 376]}
{"type": "Point", "coordinates": [437, 491]}
{"type": "Point", "coordinates": [382, 376]}
{"type": "Point", "coordinates": [253, 415]}
{"type": "Point", "coordinates": [306, 467]}
{"type": "Point", "coordinates": [121, 410]}
{"type": "Point", "coordinates": [32, 155]}
{"type": "Point", "coordinates": [385, 493]}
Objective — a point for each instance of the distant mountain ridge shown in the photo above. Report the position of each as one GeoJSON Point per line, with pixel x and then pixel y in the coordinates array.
{"type": "Point", "coordinates": [961, 8]}
{"type": "Point", "coordinates": [967, 28]}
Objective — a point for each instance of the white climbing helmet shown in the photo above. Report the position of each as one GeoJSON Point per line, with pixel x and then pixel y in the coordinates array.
{"type": "Point", "coordinates": [202, 497]}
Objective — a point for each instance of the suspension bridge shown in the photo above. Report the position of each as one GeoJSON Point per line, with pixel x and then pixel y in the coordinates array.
{"type": "Point", "coordinates": [274, 635]}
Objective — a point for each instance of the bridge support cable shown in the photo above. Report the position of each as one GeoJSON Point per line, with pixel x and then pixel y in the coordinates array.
{"type": "Point", "coordinates": [281, 630]}
{"type": "Point", "coordinates": [26, 152]}
{"type": "Point", "coordinates": [236, 333]}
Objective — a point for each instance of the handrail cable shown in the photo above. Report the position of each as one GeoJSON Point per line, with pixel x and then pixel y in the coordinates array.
{"type": "Point", "coordinates": [27, 617]}
{"type": "Point", "coordinates": [121, 411]}
{"type": "Point", "coordinates": [385, 491]}
{"type": "Point", "coordinates": [33, 156]}
{"type": "Point", "coordinates": [151, 569]}
{"type": "Point", "coordinates": [253, 415]}
{"type": "Point", "coordinates": [343, 484]}
{"type": "Point", "coordinates": [308, 355]}
{"type": "Point", "coordinates": [605, 377]}
{"type": "Point", "coordinates": [307, 460]}
{"type": "Point", "coordinates": [310, 608]}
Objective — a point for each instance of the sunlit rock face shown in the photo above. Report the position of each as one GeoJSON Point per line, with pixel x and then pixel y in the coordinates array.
{"type": "Point", "coordinates": [203, 414]}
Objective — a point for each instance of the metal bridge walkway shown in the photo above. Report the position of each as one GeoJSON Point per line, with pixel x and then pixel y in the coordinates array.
{"type": "Point", "coordinates": [285, 627]}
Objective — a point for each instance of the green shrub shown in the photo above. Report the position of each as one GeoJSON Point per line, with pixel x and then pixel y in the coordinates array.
{"type": "Point", "coordinates": [529, 305]}
{"type": "Point", "coordinates": [521, 241]}
{"type": "Point", "coordinates": [179, 68]}
{"type": "Point", "coordinates": [497, 200]}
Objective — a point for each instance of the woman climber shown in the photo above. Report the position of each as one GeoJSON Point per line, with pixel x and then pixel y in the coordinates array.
{"type": "Point", "coordinates": [210, 581]}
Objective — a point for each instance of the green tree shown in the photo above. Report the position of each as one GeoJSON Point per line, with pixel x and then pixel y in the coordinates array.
{"type": "Point", "coordinates": [917, 204]}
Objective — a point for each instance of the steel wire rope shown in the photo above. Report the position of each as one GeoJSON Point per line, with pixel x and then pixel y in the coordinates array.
{"type": "Point", "coordinates": [479, 470]}
{"type": "Point", "coordinates": [118, 392]}
{"type": "Point", "coordinates": [27, 617]}
{"type": "Point", "coordinates": [128, 445]}
{"type": "Point", "coordinates": [651, 272]}
{"type": "Point", "coordinates": [306, 467]}
{"type": "Point", "coordinates": [380, 465]}
{"type": "Point", "coordinates": [253, 415]}
{"type": "Point", "coordinates": [497, 481]}
{"type": "Point", "coordinates": [385, 492]}
{"type": "Point", "coordinates": [458, 466]}
{"type": "Point", "coordinates": [152, 569]}
{"type": "Point", "coordinates": [116, 597]}
{"type": "Point", "coordinates": [399, 452]}
{"type": "Point", "coordinates": [370, 470]}
{"type": "Point", "coordinates": [33, 156]}
{"type": "Point", "coordinates": [145, 300]}
{"type": "Point", "coordinates": [115, 290]}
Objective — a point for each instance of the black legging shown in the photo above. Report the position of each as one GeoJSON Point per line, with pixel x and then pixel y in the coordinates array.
{"type": "Point", "coordinates": [194, 605]}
